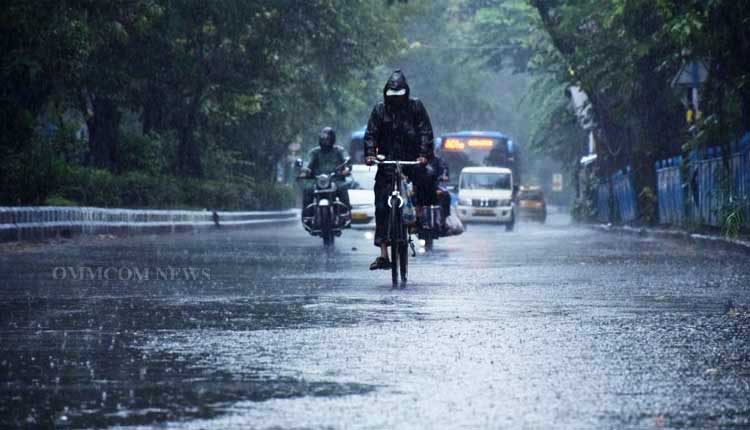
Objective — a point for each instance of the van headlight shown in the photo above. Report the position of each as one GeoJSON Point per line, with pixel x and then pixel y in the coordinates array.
{"type": "Point", "coordinates": [323, 181]}
{"type": "Point", "coordinates": [464, 202]}
{"type": "Point", "coordinates": [504, 203]}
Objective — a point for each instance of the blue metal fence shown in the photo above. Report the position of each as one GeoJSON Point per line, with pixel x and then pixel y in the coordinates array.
{"type": "Point", "coordinates": [740, 169]}
{"type": "Point", "coordinates": [696, 193]}
{"type": "Point", "coordinates": [624, 194]}
{"type": "Point", "coordinates": [602, 203]}
{"type": "Point", "coordinates": [709, 189]}
{"type": "Point", "coordinates": [670, 192]}
{"type": "Point", "coordinates": [700, 195]}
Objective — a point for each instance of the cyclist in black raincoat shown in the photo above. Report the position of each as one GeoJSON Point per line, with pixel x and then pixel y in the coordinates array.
{"type": "Point", "coordinates": [399, 128]}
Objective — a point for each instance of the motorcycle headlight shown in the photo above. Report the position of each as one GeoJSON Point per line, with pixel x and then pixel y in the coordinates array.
{"type": "Point", "coordinates": [323, 181]}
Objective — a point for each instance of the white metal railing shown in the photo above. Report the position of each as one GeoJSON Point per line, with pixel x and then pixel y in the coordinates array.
{"type": "Point", "coordinates": [37, 222]}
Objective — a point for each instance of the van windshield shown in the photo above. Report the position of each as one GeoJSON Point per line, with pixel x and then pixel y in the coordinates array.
{"type": "Point", "coordinates": [531, 195]}
{"type": "Point", "coordinates": [485, 181]}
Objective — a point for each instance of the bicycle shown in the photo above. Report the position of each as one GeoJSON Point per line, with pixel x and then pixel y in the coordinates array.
{"type": "Point", "coordinates": [398, 238]}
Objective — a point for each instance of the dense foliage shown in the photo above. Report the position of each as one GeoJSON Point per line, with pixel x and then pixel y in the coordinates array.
{"type": "Point", "coordinates": [194, 102]}
{"type": "Point", "coordinates": [176, 97]}
{"type": "Point", "coordinates": [624, 55]}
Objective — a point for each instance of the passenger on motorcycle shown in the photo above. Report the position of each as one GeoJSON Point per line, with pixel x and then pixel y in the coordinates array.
{"type": "Point", "coordinates": [399, 128]}
{"type": "Point", "coordinates": [439, 175]}
{"type": "Point", "coordinates": [323, 160]}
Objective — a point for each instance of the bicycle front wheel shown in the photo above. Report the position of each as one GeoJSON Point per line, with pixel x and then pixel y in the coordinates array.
{"type": "Point", "coordinates": [394, 229]}
{"type": "Point", "coordinates": [403, 255]}
{"type": "Point", "coordinates": [394, 262]}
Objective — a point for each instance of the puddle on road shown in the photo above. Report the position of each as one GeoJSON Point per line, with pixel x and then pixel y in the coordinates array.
{"type": "Point", "coordinates": [84, 379]}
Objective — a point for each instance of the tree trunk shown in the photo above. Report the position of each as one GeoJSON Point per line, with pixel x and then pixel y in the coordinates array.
{"type": "Point", "coordinates": [103, 125]}
{"type": "Point", "coordinates": [745, 112]}
{"type": "Point", "coordinates": [188, 152]}
{"type": "Point", "coordinates": [152, 116]}
{"type": "Point", "coordinates": [721, 113]}
{"type": "Point", "coordinates": [644, 176]}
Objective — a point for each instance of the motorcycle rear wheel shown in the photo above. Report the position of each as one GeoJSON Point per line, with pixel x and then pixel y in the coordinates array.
{"type": "Point", "coordinates": [428, 241]}
{"type": "Point", "coordinates": [403, 255]}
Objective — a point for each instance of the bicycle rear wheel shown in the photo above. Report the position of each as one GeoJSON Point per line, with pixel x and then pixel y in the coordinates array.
{"type": "Point", "coordinates": [394, 262]}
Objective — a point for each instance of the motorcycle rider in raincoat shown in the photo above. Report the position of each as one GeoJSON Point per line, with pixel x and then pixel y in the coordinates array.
{"type": "Point", "coordinates": [323, 160]}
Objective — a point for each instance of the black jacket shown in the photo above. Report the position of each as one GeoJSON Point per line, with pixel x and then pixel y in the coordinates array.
{"type": "Point", "coordinates": [320, 161]}
{"type": "Point", "coordinates": [399, 132]}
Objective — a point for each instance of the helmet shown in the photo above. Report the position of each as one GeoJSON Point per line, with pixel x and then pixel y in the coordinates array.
{"type": "Point", "coordinates": [327, 138]}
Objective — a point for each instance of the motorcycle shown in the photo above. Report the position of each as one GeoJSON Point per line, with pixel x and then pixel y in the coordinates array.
{"type": "Point", "coordinates": [326, 216]}
{"type": "Point", "coordinates": [429, 225]}
{"type": "Point", "coordinates": [431, 221]}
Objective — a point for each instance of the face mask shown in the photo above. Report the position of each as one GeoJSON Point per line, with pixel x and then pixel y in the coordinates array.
{"type": "Point", "coordinates": [396, 93]}
{"type": "Point", "coordinates": [396, 101]}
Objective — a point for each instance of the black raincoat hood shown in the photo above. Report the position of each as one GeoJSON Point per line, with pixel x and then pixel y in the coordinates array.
{"type": "Point", "coordinates": [396, 82]}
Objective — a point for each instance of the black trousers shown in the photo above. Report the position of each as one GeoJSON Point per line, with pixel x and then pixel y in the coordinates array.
{"type": "Point", "coordinates": [444, 200]}
{"type": "Point", "coordinates": [425, 194]}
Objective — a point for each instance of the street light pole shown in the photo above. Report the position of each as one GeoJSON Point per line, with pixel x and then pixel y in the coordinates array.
{"type": "Point", "coordinates": [695, 75]}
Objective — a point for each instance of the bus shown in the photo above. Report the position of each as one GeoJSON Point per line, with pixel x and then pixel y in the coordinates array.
{"type": "Point", "coordinates": [476, 149]}
{"type": "Point", "coordinates": [459, 150]}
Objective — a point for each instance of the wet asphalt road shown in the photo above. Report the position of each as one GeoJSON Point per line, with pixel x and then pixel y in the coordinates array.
{"type": "Point", "coordinates": [547, 327]}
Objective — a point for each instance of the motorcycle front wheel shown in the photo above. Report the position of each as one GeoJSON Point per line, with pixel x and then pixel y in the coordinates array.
{"type": "Point", "coordinates": [326, 227]}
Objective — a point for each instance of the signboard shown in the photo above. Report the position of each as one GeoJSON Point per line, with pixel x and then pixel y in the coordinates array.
{"type": "Point", "coordinates": [557, 182]}
{"type": "Point", "coordinates": [691, 75]}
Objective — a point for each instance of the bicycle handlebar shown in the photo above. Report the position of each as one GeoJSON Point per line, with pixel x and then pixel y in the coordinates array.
{"type": "Point", "coordinates": [406, 163]}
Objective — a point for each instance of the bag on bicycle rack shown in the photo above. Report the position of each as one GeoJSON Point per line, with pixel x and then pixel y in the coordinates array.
{"type": "Point", "coordinates": [408, 211]}
{"type": "Point", "coordinates": [454, 226]}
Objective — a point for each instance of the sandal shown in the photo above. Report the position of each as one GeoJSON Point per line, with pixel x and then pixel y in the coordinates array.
{"type": "Point", "coordinates": [380, 263]}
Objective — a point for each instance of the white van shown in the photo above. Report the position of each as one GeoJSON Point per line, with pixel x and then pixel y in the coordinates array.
{"type": "Point", "coordinates": [362, 194]}
{"type": "Point", "coordinates": [485, 194]}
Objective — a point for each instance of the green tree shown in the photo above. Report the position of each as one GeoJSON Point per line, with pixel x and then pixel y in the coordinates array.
{"type": "Point", "coordinates": [44, 48]}
{"type": "Point", "coordinates": [618, 52]}
{"type": "Point", "coordinates": [213, 89]}
{"type": "Point", "coordinates": [509, 35]}
{"type": "Point", "coordinates": [716, 33]}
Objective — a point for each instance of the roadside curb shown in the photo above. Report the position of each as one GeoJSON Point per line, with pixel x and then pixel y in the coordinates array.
{"type": "Point", "coordinates": [18, 224]}
{"type": "Point", "coordinates": [702, 239]}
